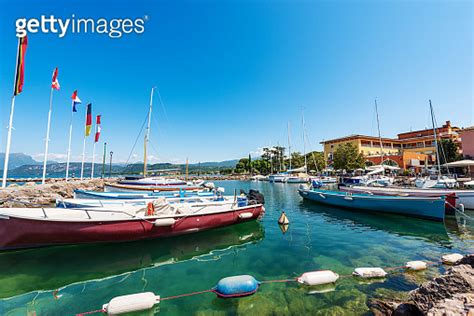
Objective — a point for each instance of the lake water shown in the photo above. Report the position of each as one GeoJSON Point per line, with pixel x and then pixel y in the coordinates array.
{"type": "Point", "coordinates": [72, 279]}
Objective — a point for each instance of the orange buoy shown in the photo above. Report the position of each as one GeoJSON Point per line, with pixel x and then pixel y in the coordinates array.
{"type": "Point", "coordinates": [150, 209]}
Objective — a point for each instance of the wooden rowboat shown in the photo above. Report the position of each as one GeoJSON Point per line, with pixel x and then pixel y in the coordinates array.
{"type": "Point", "coordinates": [27, 227]}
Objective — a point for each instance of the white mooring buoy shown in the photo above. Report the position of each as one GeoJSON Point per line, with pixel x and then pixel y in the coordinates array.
{"type": "Point", "coordinates": [368, 273]}
{"type": "Point", "coordinates": [416, 265]}
{"type": "Point", "coordinates": [452, 258]}
{"type": "Point", "coordinates": [131, 303]}
{"type": "Point", "coordinates": [318, 277]}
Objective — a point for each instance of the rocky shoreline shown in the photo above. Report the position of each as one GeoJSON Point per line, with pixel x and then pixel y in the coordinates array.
{"type": "Point", "coordinates": [449, 294]}
{"type": "Point", "coordinates": [33, 195]}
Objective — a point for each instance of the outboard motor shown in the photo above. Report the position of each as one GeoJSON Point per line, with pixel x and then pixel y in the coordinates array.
{"type": "Point", "coordinates": [255, 197]}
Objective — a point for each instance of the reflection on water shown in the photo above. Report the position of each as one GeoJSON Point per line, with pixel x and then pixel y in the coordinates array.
{"type": "Point", "coordinates": [52, 268]}
{"type": "Point", "coordinates": [317, 237]}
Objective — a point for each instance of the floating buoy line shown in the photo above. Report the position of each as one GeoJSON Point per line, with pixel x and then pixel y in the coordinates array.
{"type": "Point", "coordinates": [246, 285]}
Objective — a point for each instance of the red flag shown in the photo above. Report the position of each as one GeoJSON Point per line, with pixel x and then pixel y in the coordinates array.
{"type": "Point", "coordinates": [55, 82]}
{"type": "Point", "coordinates": [20, 66]}
{"type": "Point", "coordinates": [97, 129]}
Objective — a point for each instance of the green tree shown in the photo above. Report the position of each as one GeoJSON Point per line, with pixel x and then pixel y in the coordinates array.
{"type": "Point", "coordinates": [450, 149]}
{"type": "Point", "coordinates": [348, 157]}
{"type": "Point", "coordinates": [297, 160]}
{"type": "Point", "coordinates": [315, 161]}
{"type": "Point", "coordinates": [261, 166]}
{"type": "Point", "coordinates": [242, 165]}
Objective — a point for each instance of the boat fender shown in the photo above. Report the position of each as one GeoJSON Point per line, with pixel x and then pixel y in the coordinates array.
{"type": "Point", "coordinates": [283, 220]}
{"type": "Point", "coordinates": [416, 265]}
{"type": "Point", "coordinates": [452, 258]}
{"type": "Point", "coordinates": [236, 286]}
{"type": "Point", "coordinates": [245, 215]}
{"type": "Point", "coordinates": [348, 197]}
{"type": "Point", "coordinates": [318, 277]}
{"type": "Point", "coordinates": [131, 303]}
{"type": "Point", "coordinates": [322, 196]}
{"type": "Point", "coordinates": [162, 222]}
{"type": "Point", "coordinates": [368, 273]}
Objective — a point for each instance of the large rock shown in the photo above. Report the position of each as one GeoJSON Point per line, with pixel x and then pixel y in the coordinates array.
{"type": "Point", "coordinates": [449, 294]}
{"type": "Point", "coordinates": [46, 194]}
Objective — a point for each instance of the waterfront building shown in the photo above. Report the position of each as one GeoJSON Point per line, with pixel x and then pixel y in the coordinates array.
{"type": "Point", "coordinates": [410, 150]}
{"type": "Point", "coordinates": [467, 142]}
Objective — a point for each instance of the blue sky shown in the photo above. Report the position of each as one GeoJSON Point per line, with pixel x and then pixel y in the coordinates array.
{"type": "Point", "coordinates": [231, 74]}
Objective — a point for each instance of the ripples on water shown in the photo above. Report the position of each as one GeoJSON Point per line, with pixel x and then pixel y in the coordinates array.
{"type": "Point", "coordinates": [72, 279]}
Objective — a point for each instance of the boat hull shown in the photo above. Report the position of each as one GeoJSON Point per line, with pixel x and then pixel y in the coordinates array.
{"type": "Point", "coordinates": [82, 194]}
{"type": "Point", "coordinates": [465, 197]}
{"type": "Point", "coordinates": [21, 232]}
{"type": "Point", "coordinates": [429, 208]}
{"type": "Point", "coordinates": [154, 188]}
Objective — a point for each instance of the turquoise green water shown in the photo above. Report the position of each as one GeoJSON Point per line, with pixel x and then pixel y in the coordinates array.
{"type": "Point", "coordinates": [73, 279]}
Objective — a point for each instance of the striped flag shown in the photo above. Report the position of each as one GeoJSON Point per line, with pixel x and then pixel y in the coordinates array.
{"type": "Point", "coordinates": [97, 129]}
{"type": "Point", "coordinates": [20, 66]}
{"type": "Point", "coordinates": [89, 119]}
{"type": "Point", "coordinates": [55, 82]}
{"type": "Point", "coordinates": [75, 101]}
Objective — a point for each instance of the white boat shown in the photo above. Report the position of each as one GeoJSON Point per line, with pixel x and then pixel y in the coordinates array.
{"type": "Point", "coordinates": [88, 203]}
{"type": "Point", "coordinates": [154, 181]}
{"type": "Point", "coordinates": [278, 177]}
{"type": "Point", "coordinates": [440, 182]}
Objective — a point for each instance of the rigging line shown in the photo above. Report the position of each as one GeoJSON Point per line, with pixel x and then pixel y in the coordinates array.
{"type": "Point", "coordinates": [136, 140]}
{"type": "Point", "coordinates": [162, 105]}
{"type": "Point", "coordinates": [312, 151]}
{"type": "Point", "coordinates": [441, 144]}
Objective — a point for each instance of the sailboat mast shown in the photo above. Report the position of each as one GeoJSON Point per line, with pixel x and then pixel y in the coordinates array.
{"type": "Point", "coordinates": [289, 144]}
{"type": "Point", "coordinates": [147, 133]}
{"type": "Point", "coordinates": [378, 128]}
{"type": "Point", "coordinates": [304, 142]}
{"type": "Point", "coordinates": [435, 139]}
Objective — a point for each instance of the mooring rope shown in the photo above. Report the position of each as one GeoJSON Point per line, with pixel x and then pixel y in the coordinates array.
{"type": "Point", "coordinates": [92, 312]}
{"type": "Point", "coordinates": [404, 268]}
{"type": "Point", "coordinates": [185, 295]}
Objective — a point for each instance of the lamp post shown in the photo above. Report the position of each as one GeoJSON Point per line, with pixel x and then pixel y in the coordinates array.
{"type": "Point", "coordinates": [103, 161]}
{"type": "Point", "coordinates": [110, 165]}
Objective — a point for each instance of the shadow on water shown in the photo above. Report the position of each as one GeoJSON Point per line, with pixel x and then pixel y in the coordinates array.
{"type": "Point", "coordinates": [432, 231]}
{"type": "Point", "coordinates": [55, 267]}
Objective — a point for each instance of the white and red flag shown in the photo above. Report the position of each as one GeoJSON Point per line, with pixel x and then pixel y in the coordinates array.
{"type": "Point", "coordinates": [97, 129]}
{"type": "Point", "coordinates": [55, 82]}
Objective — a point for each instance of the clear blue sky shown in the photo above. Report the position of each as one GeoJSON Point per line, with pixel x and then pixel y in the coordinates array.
{"type": "Point", "coordinates": [233, 73]}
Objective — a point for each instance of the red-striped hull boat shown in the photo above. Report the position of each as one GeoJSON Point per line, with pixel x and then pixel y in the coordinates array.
{"type": "Point", "coordinates": [20, 228]}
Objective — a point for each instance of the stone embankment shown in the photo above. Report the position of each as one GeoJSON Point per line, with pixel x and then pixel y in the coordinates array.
{"type": "Point", "coordinates": [449, 294]}
{"type": "Point", "coordinates": [33, 195]}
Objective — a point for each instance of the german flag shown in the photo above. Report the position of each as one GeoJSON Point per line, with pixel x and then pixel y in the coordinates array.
{"type": "Point", "coordinates": [89, 119]}
{"type": "Point", "coordinates": [20, 65]}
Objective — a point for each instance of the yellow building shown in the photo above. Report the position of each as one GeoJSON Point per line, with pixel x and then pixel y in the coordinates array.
{"type": "Point", "coordinates": [414, 148]}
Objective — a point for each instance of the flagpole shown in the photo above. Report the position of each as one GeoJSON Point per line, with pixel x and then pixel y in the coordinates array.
{"type": "Point", "coordinates": [9, 141]}
{"type": "Point", "coordinates": [84, 148]}
{"type": "Point", "coordinates": [47, 136]}
{"type": "Point", "coordinates": [93, 159]}
{"type": "Point", "coordinates": [69, 145]}
{"type": "Point", "coordinates": [9, 136]}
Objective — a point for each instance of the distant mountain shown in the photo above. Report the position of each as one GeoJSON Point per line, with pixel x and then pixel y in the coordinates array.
{"type": "Point", "coordinates": [17, 160]}
{"type": "Point", "coordinates": [221, 164]}
{"type": "Point", "coordinates": [21, 165]}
